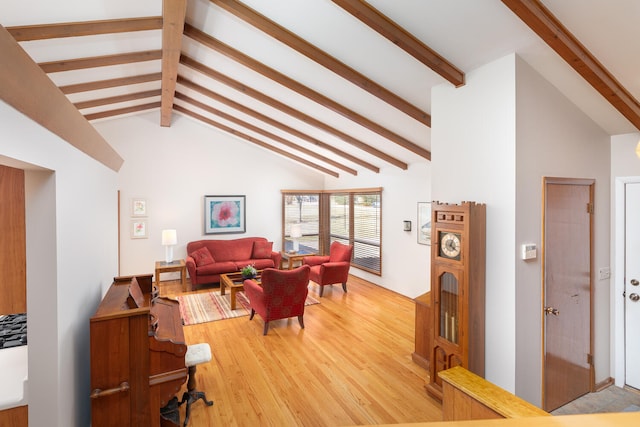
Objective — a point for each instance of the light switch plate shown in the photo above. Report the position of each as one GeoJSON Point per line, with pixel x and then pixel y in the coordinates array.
{"type": "Point", "coordinates": [529, 251]}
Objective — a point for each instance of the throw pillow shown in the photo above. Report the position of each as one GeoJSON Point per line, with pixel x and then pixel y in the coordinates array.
{"type": "Point", "coordinates": [202, 257]}
{"type": "Point", "coordinates": [262, 249]}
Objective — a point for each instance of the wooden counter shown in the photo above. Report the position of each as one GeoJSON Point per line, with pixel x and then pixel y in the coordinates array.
{"type": "Point", "coordinates": [467, 396]}
{"type": "Point", "coordinates": [619, 419]}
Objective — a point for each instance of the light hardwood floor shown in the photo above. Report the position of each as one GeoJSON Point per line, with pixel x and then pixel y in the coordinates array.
{"type": "Point", "coordinates": [351, 365]}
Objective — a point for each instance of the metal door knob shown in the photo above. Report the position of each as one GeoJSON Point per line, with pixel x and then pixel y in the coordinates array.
{"type": "Point", "coordinates": [551, 310]}
{"type": "Point", "coordinates": [634, 297]}
{"type": "Point", "coordinates": [634, 282]}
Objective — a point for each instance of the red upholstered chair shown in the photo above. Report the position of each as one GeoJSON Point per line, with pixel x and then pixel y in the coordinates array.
{"type": "Point", "coordinates": [282, 294]}
{"type": "Point", "coordinates": [332, 268]}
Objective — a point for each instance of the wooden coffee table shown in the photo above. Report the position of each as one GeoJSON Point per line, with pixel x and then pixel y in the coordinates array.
{"type": "Point", "coordinates": [235, 283]}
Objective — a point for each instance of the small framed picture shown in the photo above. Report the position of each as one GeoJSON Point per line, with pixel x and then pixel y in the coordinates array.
{"type": "Point", "coordinates": [424, 223]}
{"type": "Point", "coordinates": [138, 207]}
{"type": "Point", "coordinates": [224, 214]}
{"type": "Point", "coordinates": [139, 229]}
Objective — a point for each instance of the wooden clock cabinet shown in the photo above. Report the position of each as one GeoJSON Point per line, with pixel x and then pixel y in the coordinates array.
{"type": "Point", "coordinates": [458, 259]}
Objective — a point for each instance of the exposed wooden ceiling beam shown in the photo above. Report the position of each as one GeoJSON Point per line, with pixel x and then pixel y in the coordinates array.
{"type": "Point", "coordinates": [403, 39]}
{"type": "Point", "coordinates": [28, 89]}
{"type": "Point", "coordinates": [120, 111]}
{"type": "Point", "coordinates": [548, 28]}
{"type": "Point", "coordinates": [293, 41]}
{"type": "Point", "coordinates": [104, 84]}
{"type": "Point", "coordinates": [271, 122]}
{"type": "Point", "coordinates": [116, 99]}
{"type": "Point", "coordinates": [88, 28]}
{"type": "Point", "coordinates": [290, 111]}
{"type": "Point", "coordinates": [254, 140]}
{"type": "Point", "coordinates": [278, 125]}
{"type": "Point", "coordinates": [232, 119]}
{"type": "Point", "coordinates": [173, 13]}
{"type": "Point", "coordinates": [100, 61]}
{"type": "Point", "coordinates": [305, 91]}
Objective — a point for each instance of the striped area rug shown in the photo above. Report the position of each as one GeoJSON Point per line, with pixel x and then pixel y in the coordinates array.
{"type": "Point", "coordinates": [210, 306]}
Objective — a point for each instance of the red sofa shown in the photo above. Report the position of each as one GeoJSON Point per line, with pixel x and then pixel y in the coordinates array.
{"type": "Point", "coordinates": [208, 259]}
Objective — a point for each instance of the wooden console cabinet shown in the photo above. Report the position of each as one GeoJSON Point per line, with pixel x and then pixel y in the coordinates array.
{"type": "Point", "coordinates": [458, 258]}
{"type": "Point", "coordinates": [423, 330]}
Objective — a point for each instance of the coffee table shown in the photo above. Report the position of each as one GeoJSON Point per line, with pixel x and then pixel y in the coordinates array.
{"type": "Point", "coordinates": [235, 283]}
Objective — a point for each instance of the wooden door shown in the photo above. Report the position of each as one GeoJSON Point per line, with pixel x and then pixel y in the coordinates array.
{"type": "Point", "coordinates": [632, 285]}
{"type": "Point", "coordinates": [13, 264]}
{"type": "Point", "coordinates": [567, 290]}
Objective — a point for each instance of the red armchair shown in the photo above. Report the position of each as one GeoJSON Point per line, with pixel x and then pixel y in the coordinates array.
{"type": "Point", "coordinates": [332, 268]}
{"type": "Point", "coordinates": [282, 294]}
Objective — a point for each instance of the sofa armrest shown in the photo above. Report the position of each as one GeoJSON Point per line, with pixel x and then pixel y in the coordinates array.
{"type": "Point", "coordinates": [336, 266]}
{"type": "Point", "coordinates": [315, 259]}
{"type": "Point", "coordinates": [256, 297]}
{"type": "Point", "coordinates": [334, 272]}
{"type": "Point", "coordinates": [277, 258]}
{"type": "Point", "coordinates": [191, 266]}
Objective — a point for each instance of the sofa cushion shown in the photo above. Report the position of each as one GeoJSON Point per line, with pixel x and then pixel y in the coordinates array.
{"type": "Point", "coordinates": [217, 268]}
{"type": "Point", "coordinates": [258, 263]}
{"type": "Point", "coordinates": [231, 250]}
{"type": "Point", "coordinates": [202, 257]}
{"type": "Point", "coordinates": [262, 249]}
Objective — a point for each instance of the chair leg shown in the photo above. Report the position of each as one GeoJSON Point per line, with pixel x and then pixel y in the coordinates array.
{"type": "Point", "coordinates": [192, 395]}
{"type": "Point", "coordinates": [344, 287]}
{"type": "Point", "coordinates": [266, 328]}
{"type": "Point", "coordinates": [321, 289]}
{"type": "Point", "coordinates": [301, 321]}
{"type": "Point", "coordinates": [253, 312]}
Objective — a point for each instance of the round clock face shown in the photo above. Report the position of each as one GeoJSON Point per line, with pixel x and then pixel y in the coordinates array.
{"type": "Point", "coordinates": [450, 245]}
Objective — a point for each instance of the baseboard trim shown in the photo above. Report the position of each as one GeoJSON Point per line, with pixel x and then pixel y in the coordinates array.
{"type": "Point", "coordinates": [603, 384]}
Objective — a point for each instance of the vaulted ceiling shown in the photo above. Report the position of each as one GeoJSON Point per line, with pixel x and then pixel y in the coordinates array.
{"type": "Point", "coordinates": [340, 86]}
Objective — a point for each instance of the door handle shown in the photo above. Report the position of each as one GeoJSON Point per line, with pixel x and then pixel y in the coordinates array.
{"type": "Point", "coordinates": [551, 310]}
{"type": "Point", "coordinates": [634, 282]}
{"type": "Point", "coordinates": [634, 297]}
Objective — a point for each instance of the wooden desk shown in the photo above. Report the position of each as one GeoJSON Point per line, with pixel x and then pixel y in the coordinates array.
{"type": "Point", "coordinates": [292, 258]}
{"type": "Point", "coordinates": [177, 265]}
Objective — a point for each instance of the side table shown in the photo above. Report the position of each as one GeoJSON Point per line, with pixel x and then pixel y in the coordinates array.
{"type": "Point", "coordinates": [292, 258]}
{"type": "Point", "coordinates": [176, 265]}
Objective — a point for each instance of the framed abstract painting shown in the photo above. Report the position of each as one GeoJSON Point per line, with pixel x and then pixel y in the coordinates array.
{"type": "Point", "coordinates": [224, 214]}
{"type": "Point", "coordinates": [424, 223]}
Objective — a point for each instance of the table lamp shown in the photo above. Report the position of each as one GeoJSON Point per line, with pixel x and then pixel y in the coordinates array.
{"type": "Point", "coordinates": [169, 238]}
{"type": "Point", "coordinates": [296, 233]}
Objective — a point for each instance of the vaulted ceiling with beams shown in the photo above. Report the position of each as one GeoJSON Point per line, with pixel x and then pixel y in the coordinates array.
{"type": "Point", "coordinates": [340, 86]}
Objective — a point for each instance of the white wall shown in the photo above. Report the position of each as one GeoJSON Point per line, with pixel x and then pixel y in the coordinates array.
{"type": "Point", "coordinates": [174, 167]}
{"type": "Point", "coordinates": [473, 159]}
{"type": "Point", "coordinates": [555, 139]}
{"type": "Point", "coordinates": [625, 167]}
{"type": "Point", "coordinates": [492, 141]}
{"type": "Point", "coordinates": [71, 259]}
{"type": "Point", "coordinates": [406, 265]}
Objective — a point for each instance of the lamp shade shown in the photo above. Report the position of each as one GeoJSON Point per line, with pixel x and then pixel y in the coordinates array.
{"type": "Point", "coordinates": [169, 237]}
{"type": "Point", "coordinates": [296, 231]}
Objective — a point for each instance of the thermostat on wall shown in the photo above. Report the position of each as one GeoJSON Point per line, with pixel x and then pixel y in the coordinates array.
{"type": "Point", "coordinates": [529, 251]}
